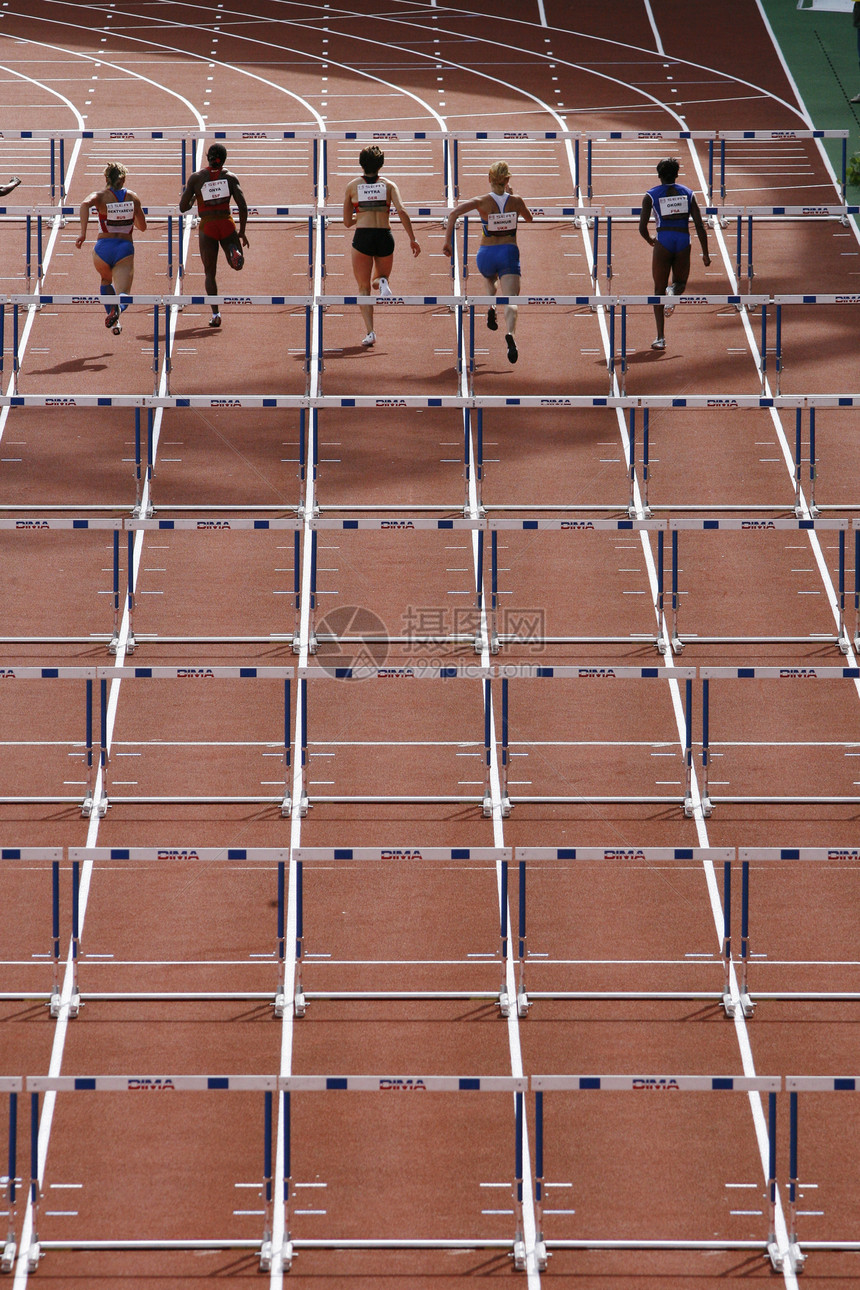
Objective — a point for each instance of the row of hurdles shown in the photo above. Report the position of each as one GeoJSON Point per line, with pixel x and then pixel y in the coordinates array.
{"type": "Point", "coordinates": [297, 1098]}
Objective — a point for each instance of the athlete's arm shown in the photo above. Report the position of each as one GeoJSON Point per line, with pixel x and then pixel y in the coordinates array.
{"type": "Point", "coordinates": [463, 209]}
{"type": "Point", "coordinates": [349, 213]}
{"type": "Point", "coordinates": [523, 210]}
{"type": "Point", "coordinates": [701, 231]}
{"type": "Point", "coordinates": [139, 217]}
{"type": "Point", "coordinates": [84, 213]}
{"type": "Point", "coordinates": [186, 201]}
{"type": "Point", "coordinates": [239, 198]}
{"type": "Point", "coordinates": [644, 216]}
{"type": "Point", "coordinates": [394, 193]}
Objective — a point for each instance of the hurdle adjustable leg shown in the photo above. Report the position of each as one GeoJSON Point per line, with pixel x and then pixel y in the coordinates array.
{"type": "Point", "coordinates": [9, 1249]}
{"type": "Point", "coordinates": [794, 1258]}
{"type": "Point", "coordinates": [304, 804]}
{"type": "Point", "coordinates": [747, 1004]}
{"type": "Point", "coordinates": [688, 752]}
{"type": "Point", "coordinates": [773, 1251]}
{"type": "Point", "coordinates": [266, 1246]}
{"type": "Point", "coordinates": [707, 804]}
{"type": "Point", "coordinates": [75, 1001]}
{"type": "Point", "coordinates": [541, 1255]}
{"type": "Point", "coordinates": [506, 801]}
{"type": "Point", "coordinates": [857, 588]}
{"type": "Point", "coordinates": [34, 1252]}
{"type": "Point", "coordinates": [87, 803]}
{"type": "Point", "coordinates": [494, 592]}
{"type": "Point", "coordinates": [504, 997]}
{"type": "Point", "coordinates": [727, 1000]}
{"type": "Point", "coordinates": [662, 642]}
{"type": "Point", "coordinates": [313, 643]}
{"type": "Point", "coordinates": [281, 992]}
{"type": "Point", "coordinates": [487, 803]}
{"type": "Point", "coordinates": [519, 1251]}
{"type": "Point", "coordinates": [523, 1004]}
{"type": "Point", "coordinates": [54, 1002]}
{"type": "Point", "coordinates": [300, 1003]}
{"type": "Point", "coordinates": [287, 1247]}
{"type": "Point", "coordinates": [287, 800]}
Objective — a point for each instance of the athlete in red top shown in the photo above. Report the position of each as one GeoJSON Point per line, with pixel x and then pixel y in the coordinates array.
{"type": "Point", "coordinates": [213, 188]}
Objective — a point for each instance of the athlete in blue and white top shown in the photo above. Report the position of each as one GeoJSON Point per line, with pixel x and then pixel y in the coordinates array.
{"type": "Point", "coordinates": [498, 258]}
{"type": "Point", "coordinates": [119, 213]}
{"type": "Point", "coordinates": [673, 206]}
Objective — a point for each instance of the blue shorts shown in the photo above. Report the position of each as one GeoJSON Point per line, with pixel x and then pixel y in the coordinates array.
{"type": "Point", "coordinates": [113, 249]}
{"type": "Point", "coordinates": [674, 240]}
{"type": "Point", "coordinates": [496, 261]}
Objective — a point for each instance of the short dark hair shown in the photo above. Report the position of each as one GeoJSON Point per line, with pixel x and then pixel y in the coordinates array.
{"type": "Point", "coordinates": [217, 150]}
{"type": "Point", "coordinates": [371, 160]}
{"type": "Point", "coordinates": [668, 168]}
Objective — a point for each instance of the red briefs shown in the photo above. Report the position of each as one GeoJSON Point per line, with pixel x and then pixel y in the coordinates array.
{"type": "Point", "coordinates": [217, 226]}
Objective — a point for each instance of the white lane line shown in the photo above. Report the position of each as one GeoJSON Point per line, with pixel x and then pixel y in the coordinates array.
{"type": "Point", "coordinates": [657, 40]}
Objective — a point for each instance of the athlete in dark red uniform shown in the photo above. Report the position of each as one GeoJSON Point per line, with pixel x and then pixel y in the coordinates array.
{"type": "Point", "coordinates": [213, 188]}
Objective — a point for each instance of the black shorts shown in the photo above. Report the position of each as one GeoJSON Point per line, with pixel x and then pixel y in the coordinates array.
{"type": "Point", "coordinates": [374, 241]}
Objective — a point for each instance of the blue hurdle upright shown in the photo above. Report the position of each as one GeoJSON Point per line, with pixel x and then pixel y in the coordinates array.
{"type": "Point", "coordinates": [661, 1084]}
{"type": "Point", "coordinates": [402, 858]}
{"type": "Point", "coordinates": [517, 1085]}
{"type": "Point", "coordinates": [11, 1085]}
{"type": "Point", "coordinates": [41, 1084]}
{"type": "Point", "coordinates": [545, 857]}
{"type": "Point", "coordinates": [53, 857]}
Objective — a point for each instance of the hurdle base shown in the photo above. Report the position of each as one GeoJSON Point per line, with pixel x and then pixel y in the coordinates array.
{"type": "Point", "coordinates": [130, 645]}
{"type": "Point", "coordinates": [729, 1007]}
{"type": "Point", "coordinates": [34, 1254]}
{"type": "Point", "coordinates": [747, 1005]}
{"type": "Point", "coordinates": [541, 1256]}
{"type": "Point", "coordinates": [300, 1004]}
{"type": "Point", "coordinates": [54, 1003]}
{"type": "Point", "coordinates": [504, 1004]}
{"type": "Point", "coordinates": [487, 806]}
{"type": "Point", "coordinates": [266, 1256]}
{"type": "Point", "coordinates": [287, 806]}
{"type": "Point", "coordinates": [506, 806]}
{"type": "Point", "coordinates": [286, 1256]}
{"type": "Point", "coordinates": [304, 805]}
{"type": "Point", "coordinates": [279, 1004]}
{"type": "Point", "coordinates": [707, 807]}
{"type": "Point", "coordinates": [518, 1254]}
{"type": "Point", "coordinates": [7, 1259]}
{"type": "Point", "coordinates": [523, 1004]}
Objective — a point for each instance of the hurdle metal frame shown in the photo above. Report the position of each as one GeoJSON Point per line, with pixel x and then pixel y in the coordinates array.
{"type": "Point", "coordinates": [12, 1085]}
{"type": "Point", "coordinates": [814, 857]}
{"type": "Point", "coordinates": [794, 1257]}
{"type": "Point", "coordinates": [533, 672]}
{"type": "Point", "coordinates": [625, 856]}
{"type": "Point", "coordinates": [302, 1084]}
{"type": "Point", "coordinates": [36, 1084]}
{"type": "Point", "coordinates": [468, 672]}
{"type": "Point", "coordinates": [569, 526]}
{"type": "Point", "coordinates": [541, 1084]}
{"type": "Point", "coordinates": [405, 527]}
{"type": "Point", "coordinates": [193, 673]}
{"type": "Point", "coordinates": [792, 673]}
{"type": "Point", "coordinates": [88, 675]}
{"type": "Point", "coordinates": [22, 525]}
{"type": "Point", "coordinates": [214, 525]}
{"type": "Point", "coordinates": [52, 856]}
{"type": "Point", "coordinates": [679, 639]}
{"type": "Point", "coordinates": [211, 857]}
{"type": "Point", "coordinates": [499, 857]}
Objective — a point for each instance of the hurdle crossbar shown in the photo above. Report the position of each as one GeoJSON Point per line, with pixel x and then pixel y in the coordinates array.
{"type": "Point", "coordinates": [52, 856]}
{"type": "Point", "coordinates": [210, 858]}
{"type": "Point", "coordinates": [303, 1084]}
{"type": "Point", "coordinates": [40, 1084]}
{"type": "Point", "coordinates": [498, 857]}
{"type": "Point", "coordinates": [541, 857]}
{"type": "Point", "coordinates": [792, 673]}
{"type": "Point", "coordinates": [751, 1085]}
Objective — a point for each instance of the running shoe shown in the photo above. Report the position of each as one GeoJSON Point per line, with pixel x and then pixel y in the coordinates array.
{"type": "Point", "coordinates": [370, 339]}
{"type": "Point", "coordinates": [112, 317]}
{"type": "Point", "coordinates": [659, 343]}
{"type": "Point", "coordinates": [235, 258]}
{"type": "Point", "coordinates": [117, 329]}
{"type": "Point", "coordinates": [669, 309]}
{"type": "Point", "coordinates": [513, 354]}
{"type": "Point", "coordinates": [383, 287]}
{"type": "Point", "coordinates": [215, 320]}
{"type": "Point", "coordinates": [491, 320]}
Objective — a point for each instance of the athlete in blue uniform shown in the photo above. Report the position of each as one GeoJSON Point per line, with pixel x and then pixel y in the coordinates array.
{"type": "Point", "coordinates": [673, 206]}
{"type": "Point", "coordinates": [498, 258]}
{"type": "Point", "coordinates": [119, 213]}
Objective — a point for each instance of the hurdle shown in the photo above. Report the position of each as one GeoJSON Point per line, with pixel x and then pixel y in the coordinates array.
{"type": "Point", "coordinates": [532, 672]}
{"type": "Point", "coordinates": [283, 675]}
{"type": "Point", "coordinates": [708, 674]}
{"type": "Point", "coordinates": [378, 675]}
{"type": "Point", "coordinates": [749, 1084]}
{"type": "Point", "coordinates": [22, 525]}
{"type": "Point", "coordinates": [437, 857]}
{"type": "Point", "coordinates": [404, 528]}
{"type": "Point", "coordinates": [217, 526]}
{"type": "Point", "coordinates": [543, 857]}
{"type": "Point", "coordinates": [11, 1085]}
{"type": "Point", "coordinates": [780, 300]}
{"type": "Point", "coordinates": [817, 858]}
{"type": "Point", "coordinates": [568, 527]}
{"type": "Point", "coordinates": [794, 1257]}
{"type": "Point", "coordinates": [53, 1084]}
{"type": "Point", "coordinates": [811, 404]}
{"type": "Point", "coordinates": [211, 860]}
{"type": "Point", "coordinates": [758, 527]}
{"type": "Point", "coordinates": [417, 1084]}
{"type": "Point", "coordinates": [88, 675]}
{"type": "Point", "coordinates": [53, 857]}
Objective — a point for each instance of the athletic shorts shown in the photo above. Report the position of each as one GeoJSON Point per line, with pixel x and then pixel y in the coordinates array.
{"type": "Point", "coordinates": [114, 249]}
{"type": "Point", "coordinates": [674, 240]}
{"type": "Point", "coordinates": [217, 227]}
{"type": "Point", "coordinates": [377, 242]}
{"type": "Point", "coordinates": [496, 261]}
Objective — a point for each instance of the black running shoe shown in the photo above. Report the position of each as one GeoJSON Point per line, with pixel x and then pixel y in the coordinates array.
{"type": "Point", "coordinates": [491, 320]}
{"type": "Point", "coordinates": [513, 354]}
{"type": "Point", "coordinates": [112, 317]}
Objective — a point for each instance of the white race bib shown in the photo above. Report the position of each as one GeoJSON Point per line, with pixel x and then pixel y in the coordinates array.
{"type": "Point", "coordinates": [215, 190]}
{"type": "Point", "coordinates": [120, 211]}
{"type": "Point", "coordinates": [677, 205]}
{"type": "Point", "coordinates": [373, 194]}
{"type": "Point", "coordinates": [502, 222]}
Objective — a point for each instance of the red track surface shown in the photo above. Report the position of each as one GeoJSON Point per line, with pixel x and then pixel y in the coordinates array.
{"type": "Point", "coordinates": [689, 1169]}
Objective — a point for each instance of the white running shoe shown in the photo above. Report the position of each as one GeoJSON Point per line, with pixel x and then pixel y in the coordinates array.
{"type": "Point", "coordinates": [215, 320]}
{"type": "Point", "coordinates": [370, 339]}
{"type": "Point", "coordinates": [659, 343]}
{"type": "Point", "coordinates": [669, 309]}
{"type": "Point", "coordinates": [383, 287]}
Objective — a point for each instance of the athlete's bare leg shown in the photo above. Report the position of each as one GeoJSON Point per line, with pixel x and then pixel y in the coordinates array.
{"type": "Point", "coordinates": [362, 267]}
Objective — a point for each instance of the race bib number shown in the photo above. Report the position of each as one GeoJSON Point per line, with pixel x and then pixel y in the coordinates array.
{"type": "Point", "coordinates": [372, 195]}
{"type": "Point", "coordinates": [215, 190]}
{"type": "Point", "coordinates": [677, 205]}
{"type": "Point", "coordinates": [502, 222]}
{"type": "Point", "coordinates": [121, 212]}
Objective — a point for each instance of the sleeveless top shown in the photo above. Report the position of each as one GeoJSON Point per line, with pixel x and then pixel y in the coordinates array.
{"type": "Point", "coordinates": [671, 210]}
{"type": "Point", "coordinates": [372, 195]}
{"type": "Point", "coordinates": [214, 195]}
{"type": "Point", "coordinates": [119, 214]}
{"type": "Point", "coordinates": [500, 223]}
